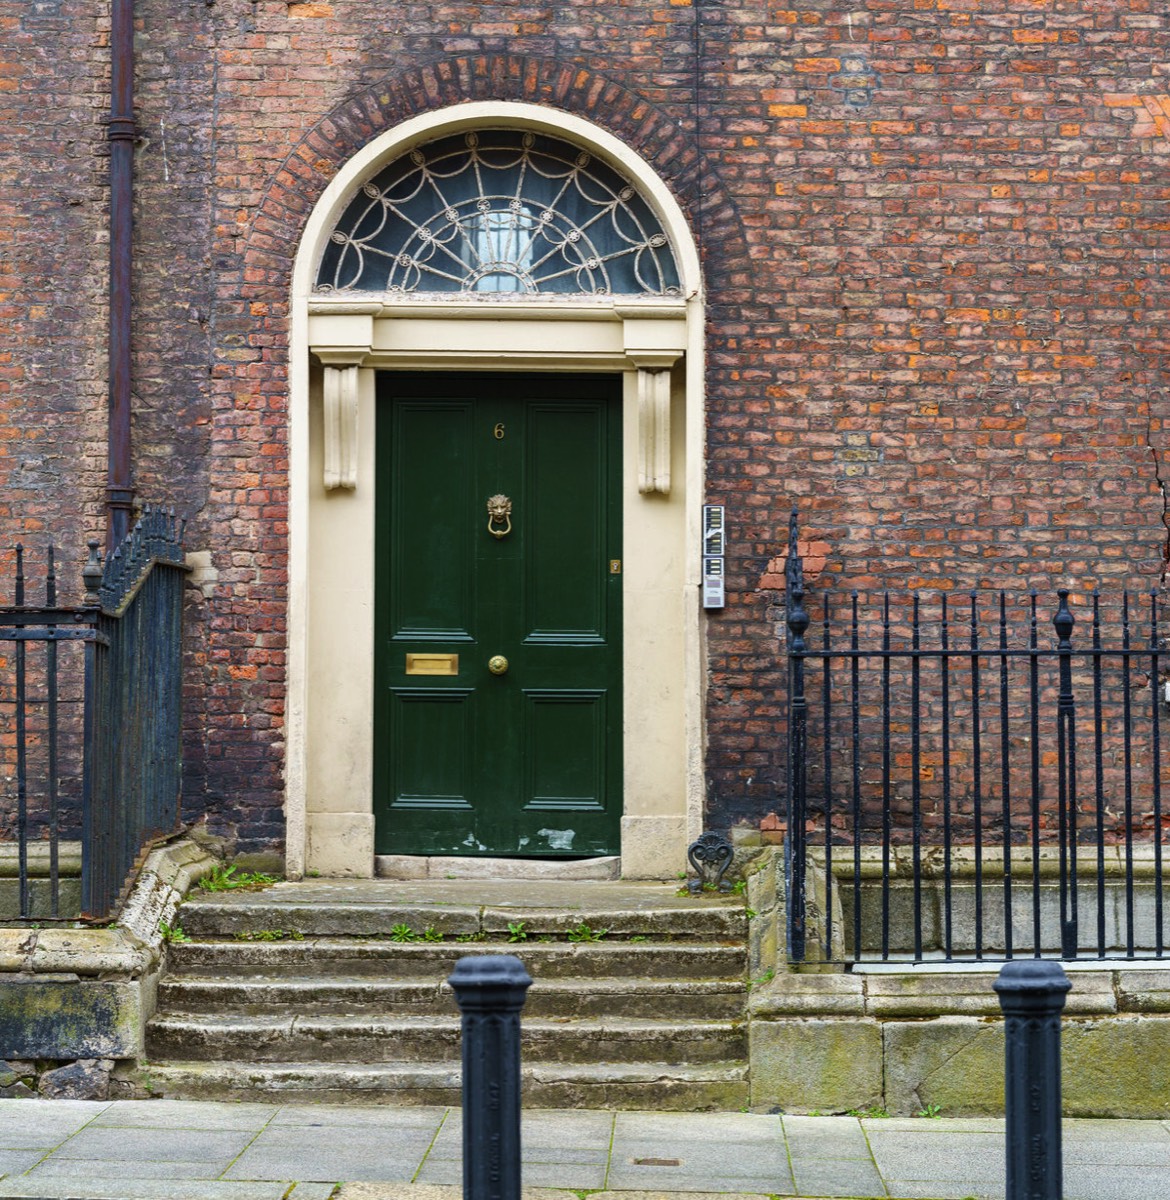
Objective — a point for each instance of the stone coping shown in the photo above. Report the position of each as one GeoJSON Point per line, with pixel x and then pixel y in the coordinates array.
{"type": "Point", "coordinates": [68, 860]}
{"type": "Point", "coordinates": [963, 864]}
{"type": "Point", "coordinates": [1132, 989]}
{"type": "Point", "coordinates": [132, 947]}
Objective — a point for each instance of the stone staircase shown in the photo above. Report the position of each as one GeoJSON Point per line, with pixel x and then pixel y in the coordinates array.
{"type": "Point", "coordinates": [306, 992]}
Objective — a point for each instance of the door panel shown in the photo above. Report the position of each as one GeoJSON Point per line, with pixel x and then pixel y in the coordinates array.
{"type": "Point", "coordinates": [431, 542]}
{"type": "Point", "coordinates": [419, 719]}
{"type": "Point", "coordinates": [565, 592]}
{"type": "Point", "coordinates": [564, 735]}
{"type": "Point", "coordinates": [527, 762]}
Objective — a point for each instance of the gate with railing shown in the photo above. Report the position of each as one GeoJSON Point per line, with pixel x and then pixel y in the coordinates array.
{"type": "Point", "coordinates": [90, 722]}
{"type": "Point", "coordinates": [975, 775]}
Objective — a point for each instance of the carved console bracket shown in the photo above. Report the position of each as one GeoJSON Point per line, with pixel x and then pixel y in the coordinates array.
{"type": "Point", "coordinates": [341, 425]}
{"type": "Point", "coordinates": [347, 334]}
{"type": "Point", "coordinates": [653, 432]}
{"type": "Point", "coordinates": [653, 349]}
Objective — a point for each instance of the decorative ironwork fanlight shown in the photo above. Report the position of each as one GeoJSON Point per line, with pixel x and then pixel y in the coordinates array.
{"type": "Point", "coordinates": [499, 211]}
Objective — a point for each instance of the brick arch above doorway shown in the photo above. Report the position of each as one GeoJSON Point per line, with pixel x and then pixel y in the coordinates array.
{"type": "Point", "coordinates": [299, 181]}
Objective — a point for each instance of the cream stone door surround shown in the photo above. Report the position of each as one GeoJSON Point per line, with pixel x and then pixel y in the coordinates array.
{"type": "Point", "coordinates": [338, 341]}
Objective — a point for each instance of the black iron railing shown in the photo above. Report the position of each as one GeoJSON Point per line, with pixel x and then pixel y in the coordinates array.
{"type": "Point", "coordinates": [90, 723]}
{"type": "Point", "coordinates": [972, 777]}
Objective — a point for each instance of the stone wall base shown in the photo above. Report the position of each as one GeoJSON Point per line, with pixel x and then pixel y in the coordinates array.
{"type": "Point", "coordinates": [1112, 1066]}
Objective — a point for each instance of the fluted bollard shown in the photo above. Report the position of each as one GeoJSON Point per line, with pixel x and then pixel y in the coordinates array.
{"type": "Point", "coordinates": [1031, 995]}
{"type": "Point", "coordinates": [490, 990]}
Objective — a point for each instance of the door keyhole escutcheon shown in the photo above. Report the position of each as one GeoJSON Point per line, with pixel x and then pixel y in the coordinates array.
{"type": "Point", "coordinates": [498, 664]}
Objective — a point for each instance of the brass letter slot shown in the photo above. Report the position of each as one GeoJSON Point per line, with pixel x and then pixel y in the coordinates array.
{"type": "Point", "coordinates": [432, 664]}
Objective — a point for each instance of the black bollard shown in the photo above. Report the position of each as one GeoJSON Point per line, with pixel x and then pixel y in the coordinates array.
{"type": "Point", "coordinates": [1031, 994]}
{"type": "Point", "coordinates": [490, 990]}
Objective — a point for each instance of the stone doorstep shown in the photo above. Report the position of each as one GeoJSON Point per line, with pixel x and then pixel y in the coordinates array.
{"type": "Point", "coordinates": [416, 867]}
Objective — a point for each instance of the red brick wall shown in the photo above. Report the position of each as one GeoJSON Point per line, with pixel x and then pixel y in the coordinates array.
{"type": "Point", "coordinates": [934, 231]}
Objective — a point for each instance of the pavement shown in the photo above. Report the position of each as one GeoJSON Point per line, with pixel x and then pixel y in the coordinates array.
{"type": "Point", "coordinates": [189, 1150]}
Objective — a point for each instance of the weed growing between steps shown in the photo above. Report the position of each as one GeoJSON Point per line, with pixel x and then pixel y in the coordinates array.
{"type": "Point", "coordinates": [269, 935]}
{"type": "Point", "coordinates": [229, 879]}
{"type": "Point", "coordinates": [404, 933]}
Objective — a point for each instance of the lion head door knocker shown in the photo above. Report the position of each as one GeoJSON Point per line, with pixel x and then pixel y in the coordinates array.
{"type": "Point", "coordinates": [499, 514]}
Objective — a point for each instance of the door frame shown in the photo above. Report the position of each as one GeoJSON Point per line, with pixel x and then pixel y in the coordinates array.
{"type": "Point", "coordinates": [337, 342]}
{"type": "Point", "coordinates": [585, 664]}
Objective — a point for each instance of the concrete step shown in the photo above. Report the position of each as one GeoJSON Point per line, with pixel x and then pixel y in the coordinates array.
{"type": "Point", "coordinates": [255, 994]}
{"type": "Point", "coordinates": [342, 1037]}
{"type": "Point", "coordinates": [665, 1086]}
{"type": "Point", "coordinates": [290, 912]}
{"type": "Point", "coordinates": [414, 960]}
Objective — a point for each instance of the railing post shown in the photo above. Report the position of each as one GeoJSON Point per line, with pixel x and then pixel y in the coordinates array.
{"type": "Point", "coordinates": [1031, 995]}
{"type": "Point", "coordinates": [795, 857]}
{"type": "Point", "coordinates": [490, 990]}
{"type": "Point", "coordinates": [1066, 754]}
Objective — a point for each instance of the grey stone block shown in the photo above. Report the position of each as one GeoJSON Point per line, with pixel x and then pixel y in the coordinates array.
{"type": "Point", "coordinates": [69, 1018]}
{"type": "Point", "coordinates": [1116, 1068]}
{"type": "Point", "coordinates": [954, 1062]}
{"type": "Point", "coordinates": [817, 1064]}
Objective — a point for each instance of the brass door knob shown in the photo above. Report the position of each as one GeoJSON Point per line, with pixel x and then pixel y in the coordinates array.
{"type": "Point", "coordinates": [498, 664]}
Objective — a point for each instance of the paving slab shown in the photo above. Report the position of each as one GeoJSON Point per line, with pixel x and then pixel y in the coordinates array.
{"type": "Point", "coordinates": [80, 1170]}
{"type": "Point", "coordinates": [431, 1191]}
{"type": "Point", "coordinates": [103, 1188]}
{"type": "Point", "coordinates": [184, 1114]}
{"type": "Point", "coordinates": [975, 1157]}
{"type": "Point", "coordinates": [1107, 1183]}
{"type": "Point", "coordinates": [837, 1177]}
{"type": "Point", "coordinates": [171, 1150]}
{"type": "Point", "coordinates": [331, 1153]}
{"type": "Point", "coordinates": [812, 1138]}
{"type": "Point", "coordinates": [15, 1162]}
{"type": "Point", "coordinates": [546, 1135]}
{"type": "Point", "coordinates": [326, 1115]}
{"type": "Point", "coordinates": [917, 1189]}
{"type": "Point", "coordinates": [27, 1124]}
{"type": "Point", "coordinates": [145, 1145]}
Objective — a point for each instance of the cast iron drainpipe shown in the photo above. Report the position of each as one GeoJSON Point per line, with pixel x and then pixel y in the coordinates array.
{"type": "Point", "coordinates": [121, 134]}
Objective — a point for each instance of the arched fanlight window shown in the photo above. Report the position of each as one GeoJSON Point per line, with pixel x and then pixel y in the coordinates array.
{"type": "Point", "coordinates": [499, 211]}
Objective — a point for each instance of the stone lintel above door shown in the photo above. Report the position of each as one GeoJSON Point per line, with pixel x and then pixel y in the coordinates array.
{"type": "Point", "coordinates": [594, 334]}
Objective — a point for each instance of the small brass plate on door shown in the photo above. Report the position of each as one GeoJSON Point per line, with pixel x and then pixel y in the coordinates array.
{"type": "Point", "coordinates": [432, 664]}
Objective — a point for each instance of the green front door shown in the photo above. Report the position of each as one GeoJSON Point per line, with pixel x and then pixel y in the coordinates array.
{"type": "Point", "coordinates": [498, 710]}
